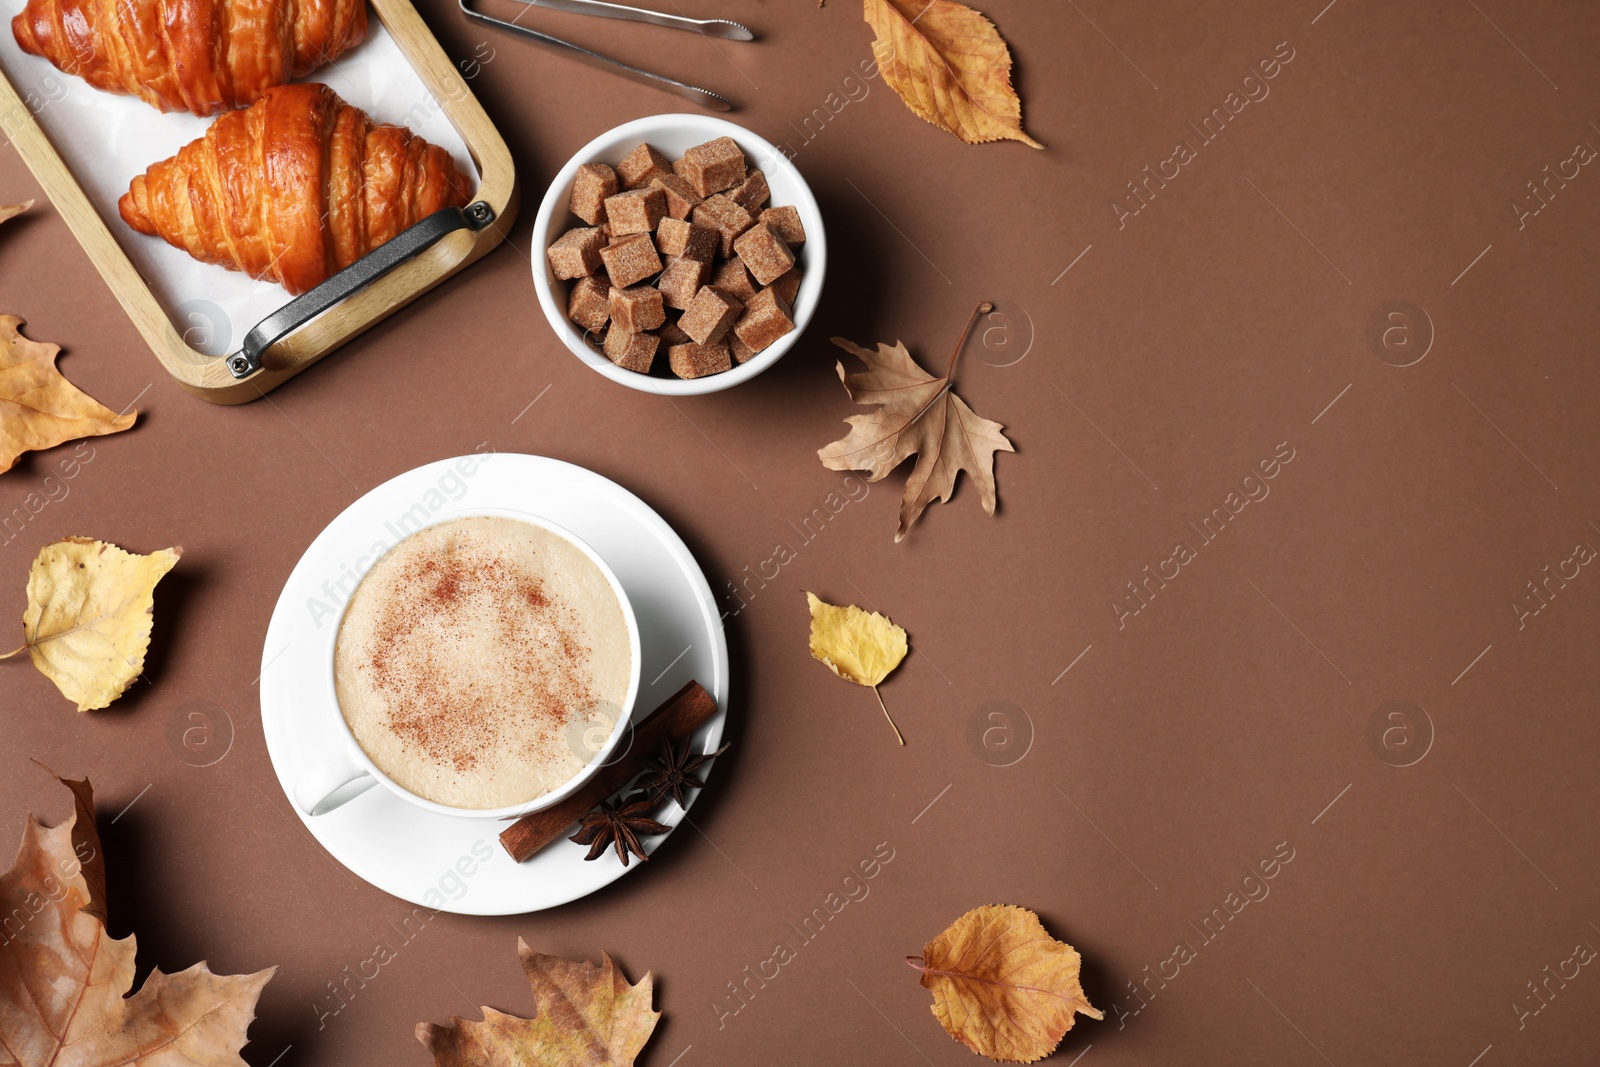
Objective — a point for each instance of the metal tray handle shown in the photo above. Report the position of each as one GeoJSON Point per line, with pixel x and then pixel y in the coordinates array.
{"type": "Point", "coordinates": [357, 276]}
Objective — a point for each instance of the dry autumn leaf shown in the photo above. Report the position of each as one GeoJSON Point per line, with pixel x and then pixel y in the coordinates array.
{"type": "Point", "coordinates": [38, 407]}
{"type": "Point", "coordinates": [918, 415]}
{"type": "Point", "coordinates": [588, 1015]}
{"type": "Point", "coordinates": [86, 841]}
{"type": "Point", "coordinates": [1002, 985]}
{"type": "Point", "coordinates": [64, 980]}
{"type": "Point", "coordinates": [859, 646]}
{"type": "Point", "coordinates": [950, 66]}
{"type": "Point", "coordinates": [87, 624]}
{"type": "Point", "coordinates": [11, 211]}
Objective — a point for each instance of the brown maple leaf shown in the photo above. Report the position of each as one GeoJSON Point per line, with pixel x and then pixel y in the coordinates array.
{"type": "Point", "coordinates": [64, 980]}
{"type": "Point", "coordinates": [38, 407]}
{"type": "Point", "coordinates": [918, 415]}
{"type": "Point", "coordinates": [588, 1015]}
{"type": "Point", "coordinates": [950, 66]}
{"type": "Point", "coordinates": [86, 842]}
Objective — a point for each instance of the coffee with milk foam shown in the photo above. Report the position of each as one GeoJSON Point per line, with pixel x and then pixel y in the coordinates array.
{"type": "Point", "coordinates": [482, 662]}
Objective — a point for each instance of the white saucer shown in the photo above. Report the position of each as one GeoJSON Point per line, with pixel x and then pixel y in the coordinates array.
{"type": "Point", "coordinates": [439, 861]}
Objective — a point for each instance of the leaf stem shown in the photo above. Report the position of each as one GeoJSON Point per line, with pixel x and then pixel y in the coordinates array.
{"type": "Point", "coordinates": [982, 309]}
{"type": "Point", "coordinates": [948, 379]}
{"type": "Point", "coordinates": [886, 715]}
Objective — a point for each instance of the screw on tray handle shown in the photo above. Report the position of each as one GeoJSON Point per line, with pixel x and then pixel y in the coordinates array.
{"type": "Point", "coordinates": [357, 276]}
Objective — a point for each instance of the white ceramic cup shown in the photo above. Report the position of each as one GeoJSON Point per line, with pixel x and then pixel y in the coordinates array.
{"type": "Point", "coordinates": [346, 774]}
{"type": "Point", "coordinates": [674, 134]}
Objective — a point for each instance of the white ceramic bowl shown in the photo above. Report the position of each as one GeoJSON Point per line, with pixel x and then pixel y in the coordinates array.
{"type": "Point", "coordinates": [673, 135]}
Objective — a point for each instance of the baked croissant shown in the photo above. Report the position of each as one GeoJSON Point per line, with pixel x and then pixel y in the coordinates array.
{"type": "Point", "coordinates": [298, 186]}
{"type": "Point", "coordinates": [202, 56]}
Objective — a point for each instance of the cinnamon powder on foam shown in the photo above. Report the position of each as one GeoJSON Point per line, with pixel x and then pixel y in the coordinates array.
{"type": "Point", "coordinates": [454, 604]}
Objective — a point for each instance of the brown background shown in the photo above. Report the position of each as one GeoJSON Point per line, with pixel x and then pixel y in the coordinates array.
{"type": "Point", "coordinates": [1175, 354]}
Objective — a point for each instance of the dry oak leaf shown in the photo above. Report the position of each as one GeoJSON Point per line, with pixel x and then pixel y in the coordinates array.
{"type": "Point", "coordinates": [64, 980]}
{"type": "Point", "coordinates": [859, 646]}
{"type": "Point", "coordinates": [87, 624]}
{"type": "Point", "coordinates": [1002, 985]}
{"type": "Point", "coordinates": [920, 415]}
{"type": "Point", "coordinates": [950, 66]}
{"type": "Point", "coordinates": [588, 1015]}
{"type": "Point", "coordinates": [38, 407]}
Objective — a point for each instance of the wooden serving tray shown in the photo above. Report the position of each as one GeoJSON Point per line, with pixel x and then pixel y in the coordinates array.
{"type": "Point", "coordinates": [207, 376]}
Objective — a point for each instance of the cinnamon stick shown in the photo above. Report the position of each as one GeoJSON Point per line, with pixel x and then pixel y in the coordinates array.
{"type": "Point", "coordinates": [683, 713]}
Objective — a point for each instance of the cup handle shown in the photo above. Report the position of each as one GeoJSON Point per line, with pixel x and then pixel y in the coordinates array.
{"type": "Point", "coordinates": [322, 788]}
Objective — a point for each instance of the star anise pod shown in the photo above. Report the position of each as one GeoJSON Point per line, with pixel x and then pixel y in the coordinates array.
{"type": "Point", "coordinates": [619, 823]}
{"type": "Point", "coordinates": [672, 773]}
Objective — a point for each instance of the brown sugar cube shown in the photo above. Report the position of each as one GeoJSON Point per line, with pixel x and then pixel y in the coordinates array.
{"type": "Point", "coordinates": [764, 254]}
{"type": "Point", "coordinates": [576, 253]}
{"type": "Point", "coordinates": [589, 304]}
{"type": "Point", "coordinates": [712, 167]}
{"type": "Point", "coordinates": [672, 235]}
{"type": "Point", "coordinates": [678, 238]}
{"type": "Point", "coordinates": [765, 319]}
{"type": "Point", "coordinates": [697, 361]}
{"type": "Point", "coordinates": [637, 308]}
{"type": "Point", "coordinates": [641, 165]}
{"type": "Point", "coordinates": [680, 198]}
{"type": "Point", "coordinates": [752, 192]}
{"type": "Point", "coordinates": [630, 259]}
{"type": "Point", "coordinates": [631, 351]}
{"type": "Point", "coordinates": [595, 182]}
{"type": "Point", "coordinates": [720, 213]}
{"type": "Point", "coordinates": [682, 280]}
{"type": "Point", "coordinates": [710, 315]}
{"type": "Point", "coordinates": [732, 278]}
{"type": "Point", "coordinates": [785, 222]}
{"type": "Point", "coordinates": [672, 334]}
{"type": "Point", "coordinates": [740, 350]}
{"type": "Point", "coordinates": [788, 286]}
{"type": "Point", "coordinates": [636, 211]}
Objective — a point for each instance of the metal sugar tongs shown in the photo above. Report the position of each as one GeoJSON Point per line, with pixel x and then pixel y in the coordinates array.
{"type": "Point", "coordinates": [723, 28]}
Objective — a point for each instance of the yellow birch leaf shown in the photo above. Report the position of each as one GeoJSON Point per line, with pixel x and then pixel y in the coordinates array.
{"type": "Point", "coordinates": [859, 646]}
{"type": "Point", "coordinates": [950, 66]}
{"type": "Point", "coordinates": [1002, 985]}
{"type": "Point", "coordinates": [587, 1015]}
{"type": "Point", "coordinates": [39, 408]}
{"type": "Point", "coordinates": [87, 623]}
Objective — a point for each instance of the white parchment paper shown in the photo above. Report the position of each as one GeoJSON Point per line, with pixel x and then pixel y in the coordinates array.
{"type": "Point", "coordinates": [106, 139]}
